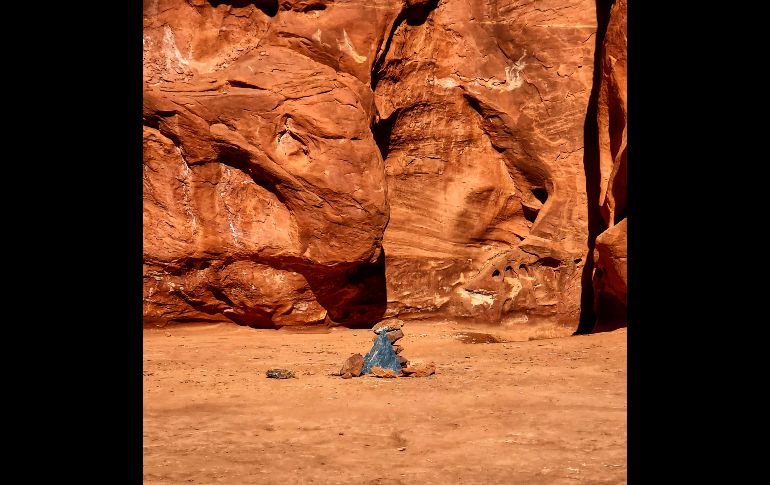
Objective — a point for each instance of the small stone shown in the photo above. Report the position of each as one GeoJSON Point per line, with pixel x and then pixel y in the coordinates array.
{"type": "Point", "coordinates": [403, 448]}
{"type": "Point", "coordinates": [420, 370]}
{"type": "Point", "coordinates": [280, 374]}
{"type": "Point", "coordinates": [380, 372]}
{"type": "Point", "coordinates": [347, 375]}
{"type": "Point", "coordinates": [395, 335]}
{"type": "Point", "coordinates": [402, 360]}
{"type": "Point", "coordinates": [168, 334]}
{"type": "Point", "coordinates": [353, 365]}
{"type": "Point", "coordinates": [387, 326]}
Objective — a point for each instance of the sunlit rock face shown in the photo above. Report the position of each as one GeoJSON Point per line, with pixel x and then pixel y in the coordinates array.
{"type": "Point", "coordinates": [481, 109]}
{"type": "Point", "coordinates": [341, 162]}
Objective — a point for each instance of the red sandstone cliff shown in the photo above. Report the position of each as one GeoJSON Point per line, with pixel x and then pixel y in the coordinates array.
{"type": "Point", "coordinates": [482, 108]}
{"type": "Point", "coordinates": [341, 161]}
{"type": "Point", "coordinates": [610, 275]}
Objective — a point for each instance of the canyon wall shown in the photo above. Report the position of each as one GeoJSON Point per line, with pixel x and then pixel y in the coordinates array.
{"type": "Point", "coordinates": [481, 110]}
{"type": "Point", "coordinates": [610, 277]}
{"type": "Point", "coordinates": [340, 162]}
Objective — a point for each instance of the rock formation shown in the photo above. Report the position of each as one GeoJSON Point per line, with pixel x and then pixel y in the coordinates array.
{"type": "Point", "coordinates": [481, 112]}
{"type": "Point", "coordinates": [264, 191]}
{"type": "Point", "coordinates": [610, 276]}
{"type": "Point", "coordinates": [384, 359]}
{"type": "Point", "coordinates": [341, 162]}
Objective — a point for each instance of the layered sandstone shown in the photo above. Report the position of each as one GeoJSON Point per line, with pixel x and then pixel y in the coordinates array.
{"type": "Point", "coordinates": [343, 162]}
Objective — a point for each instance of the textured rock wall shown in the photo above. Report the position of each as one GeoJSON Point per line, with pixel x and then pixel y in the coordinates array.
{"type": "Point", "coordinates": [264, 192]}
{"type": "Point", "coordinates": [610, 273]}
{"type": "Point", "coordinates": [481, 109]}
{"type": "Point", "coordinates": [340, 161]}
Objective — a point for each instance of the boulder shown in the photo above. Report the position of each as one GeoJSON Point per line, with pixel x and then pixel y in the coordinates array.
{"type": "Point", "coordinates": [353, 365]}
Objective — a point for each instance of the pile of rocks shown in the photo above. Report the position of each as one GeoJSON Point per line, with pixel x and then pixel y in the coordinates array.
{"type": "Point", "coordinates": [392, 333]}
{"type": "Point", "coordinates": [384, 359]}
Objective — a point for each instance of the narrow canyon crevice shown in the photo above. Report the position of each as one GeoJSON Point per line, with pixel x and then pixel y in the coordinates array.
{"type": "Point", "coordinates": [592, 174]}
{"type": "Point", "coordinates": [604, 305]}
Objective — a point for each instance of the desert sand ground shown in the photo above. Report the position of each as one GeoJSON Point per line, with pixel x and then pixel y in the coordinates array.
{"type": "Point", "coordinates": [516, 412]}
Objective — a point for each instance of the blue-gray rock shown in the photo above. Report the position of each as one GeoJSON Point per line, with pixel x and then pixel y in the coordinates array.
{"type": "Point", "coordinates": [381, 355]}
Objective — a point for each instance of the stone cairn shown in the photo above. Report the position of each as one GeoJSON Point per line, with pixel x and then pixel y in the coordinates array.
{"type": "Point", "coordinates": [384, 359]}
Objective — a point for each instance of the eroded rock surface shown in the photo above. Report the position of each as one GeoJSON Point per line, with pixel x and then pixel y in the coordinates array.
{"type": "Point", "coordinates": [331, 161]}
{"type": "Point", "coordinates": [610, 256]}
{"type": "Point", "coordinates": [264, 194]}
{"type": "Point", "coordinates": [352, 366]}
{"type": "Point", "coordinates": [481, 110]}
